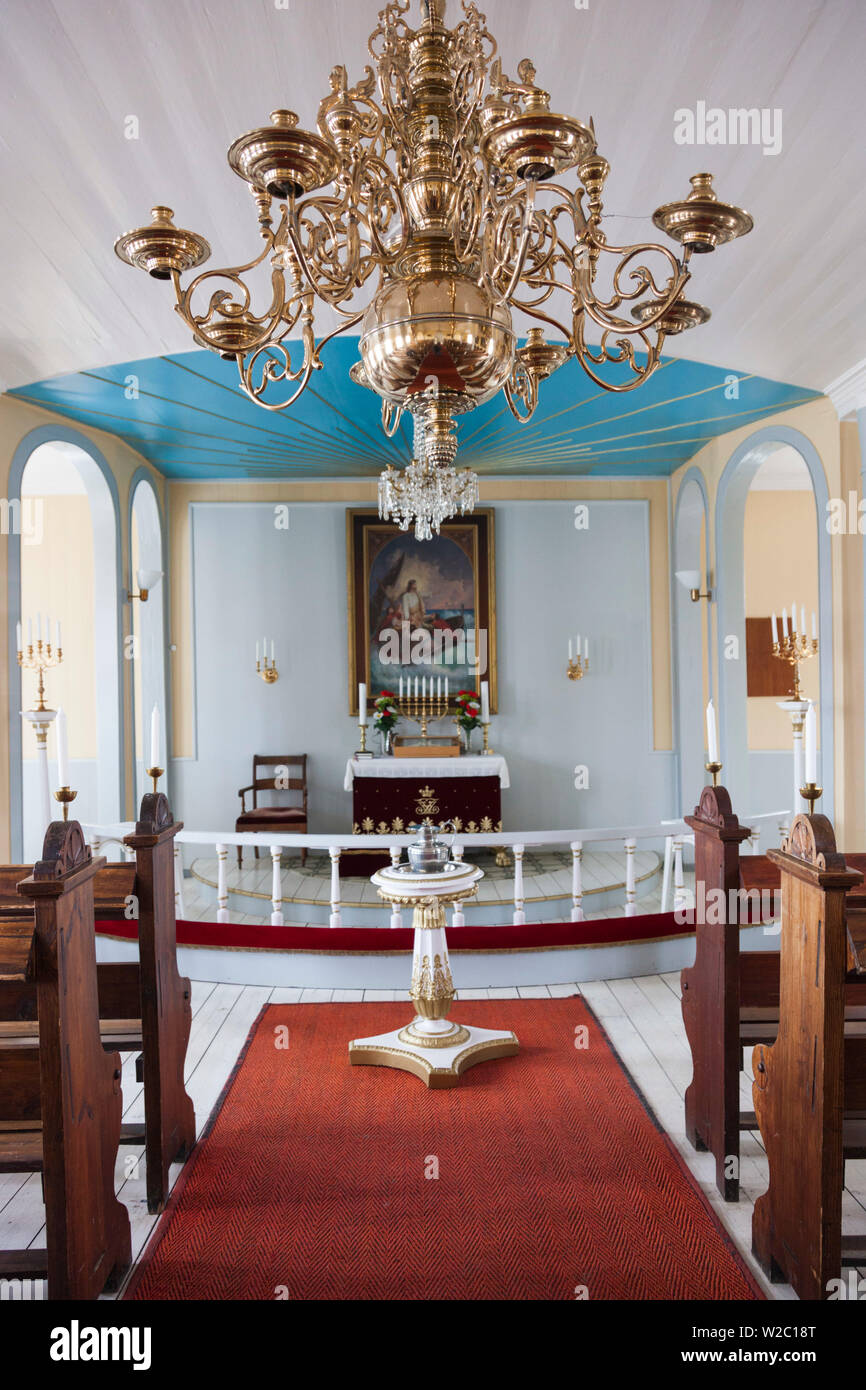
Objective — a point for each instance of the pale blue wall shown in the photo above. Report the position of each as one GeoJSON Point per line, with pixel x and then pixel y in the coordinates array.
{"type": "Point", "coordinates": [253, 580]}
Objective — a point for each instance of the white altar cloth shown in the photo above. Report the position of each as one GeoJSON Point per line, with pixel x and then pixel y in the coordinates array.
{"type": "Point", "coordinates": [468, 766]}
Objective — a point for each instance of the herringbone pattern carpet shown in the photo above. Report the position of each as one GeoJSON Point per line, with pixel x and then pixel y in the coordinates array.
{"type": "Point", "coordinates": [318, 1180]}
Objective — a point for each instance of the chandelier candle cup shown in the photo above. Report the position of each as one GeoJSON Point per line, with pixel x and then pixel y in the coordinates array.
{"type": "Point", "coordinates": [493, 202]}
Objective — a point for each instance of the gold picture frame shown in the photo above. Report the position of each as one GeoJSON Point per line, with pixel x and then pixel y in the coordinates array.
{"type": "Point", "coordinates": [455, 584]}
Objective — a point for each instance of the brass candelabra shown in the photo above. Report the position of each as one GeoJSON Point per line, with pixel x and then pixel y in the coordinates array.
{"type": "Point", "coordinates": [577, 667]}
{"type": "Point", "coordinates": [40, 657]}
{"type": "Point", "coordinates": [795, 647]}
{"type": "Point", "coordinates": [424, 709]}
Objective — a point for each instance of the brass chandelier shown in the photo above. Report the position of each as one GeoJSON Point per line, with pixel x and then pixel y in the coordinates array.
{"type": "Point", "coordinates": [426, 208]}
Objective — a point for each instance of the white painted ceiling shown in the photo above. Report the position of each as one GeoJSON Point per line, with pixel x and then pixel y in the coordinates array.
{"type": "Point", "coordinates": [788, 301]}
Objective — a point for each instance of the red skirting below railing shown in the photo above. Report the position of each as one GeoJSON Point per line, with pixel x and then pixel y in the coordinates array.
{"type": "Point", "coordinates": [370, 940]}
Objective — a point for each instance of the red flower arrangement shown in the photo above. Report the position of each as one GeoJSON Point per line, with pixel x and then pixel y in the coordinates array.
{"type": "Point", "coordinates": [387, 712]}
{"type": "Point", "coordinates": [469, 708]}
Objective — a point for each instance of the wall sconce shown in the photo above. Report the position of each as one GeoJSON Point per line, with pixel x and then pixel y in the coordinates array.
{"type": "Point", "coordinates": [147, 580]}
{"type": "Point", "coordinates": [578, 665]}
{"type": "Point", "coordinates": [691, 580]}
{"type": "Point", "coordinates": [264, 668]}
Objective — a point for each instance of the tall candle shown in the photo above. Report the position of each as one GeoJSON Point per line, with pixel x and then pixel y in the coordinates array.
{"type": "Point", "coordinates": [438, 687]}
{"type": "Point", "coordinates": [712, 734]}
{"type": "Point", "coordinates": [59, 638]}
{"type": "Point", "coordinates": [485, 702]}
{"type": "Point", "coordinates": [416, 687]}
{"type": "Point", "coordinates": [775, 631]}
{"type": "Point", "coordinates": [811, 745]}
{"type": "Point", "coordinates": [586, 649]}
{"type": "Point", "coordinates": [401, 687]}
{"type": "Point", "coordinates": [39, 627]}
{"type": "Point", "coordinates": [62, 750]}
{"type": "Point", "coordinates": [814, 628]}
{"type": "Point", "coordinates": [803, 621]}
{"type": "Point", "coordinates": [30, 632]}
{"type": "Point", "coordinates": [446, 687]}
{"type": "Point", "coordinates": [258, 653]}
{"type": "Point", "coordinates": [570, 649]}
{"type": "Point", "coordinates": [424, 687]}
{"type": "Point", "coordinates": [18, 635]}
{"type": "Point", "coordinates": [784, 623]}
{"type": "Point", "coordinates": [794, 618]}
{"type": "Point", "coordinates": [362, 703]}
{"type": "Point", "coordinates": [272, 651]}
{"type": "Point", "coordinates": [154, 737]}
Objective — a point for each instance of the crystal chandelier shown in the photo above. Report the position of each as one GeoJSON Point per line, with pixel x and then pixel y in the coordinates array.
{"type": "Point", "coordinates": [429, 204]}
{"type": "Point", "coordinates": [426, 492]}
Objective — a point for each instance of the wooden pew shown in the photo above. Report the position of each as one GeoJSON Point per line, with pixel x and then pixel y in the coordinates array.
{"type": "Point", "coordinates": [60, 1101]}
{"type": "Point", "coordinates": [810, 1084]}
{"type": "Point", "coordinates": [143, 1005]}
{"type": "Point", "coordinates": [730, 998]}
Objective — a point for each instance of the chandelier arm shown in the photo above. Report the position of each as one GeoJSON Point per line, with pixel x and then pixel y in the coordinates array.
{"type": "Point", "coordinates": [391, 416]}
{"type": "Point", "coordinates": [585, 356]}
{"type": "Point", "coordinates": [223, 308]}
{"type": "Point", "coordinates": [517, 262]}
{"type": "Point", "coordinates": [521, 386]}
{"type": "Point", "coordinates": [546, 318]}
{"type": "Point", "coordinates": [601, 310]}
{"type": "Point", "coordinates": [310, 260]}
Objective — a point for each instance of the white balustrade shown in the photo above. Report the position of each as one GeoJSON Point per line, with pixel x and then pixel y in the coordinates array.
{"type": "Point", "coordinates": [222, 885]}
{"type": "Point", "coordinates": [335, 919]}
{"type": "Point", "coordinates": [277, 887]}
{"type": "Point", "coordinates": [396, 854]}
{"type": "Point", "coordinates": [577, 880]}
{"type": "Point", "coordinates": [179, 904]}
{"type": "Point", "coordinates": [99, 837]}
{"type": "Point", "coordinates": [679, 889]}
{"type": "Point", "coordinates": [630, 846]}
{"type": "Point", "coordinates": [518, 917]}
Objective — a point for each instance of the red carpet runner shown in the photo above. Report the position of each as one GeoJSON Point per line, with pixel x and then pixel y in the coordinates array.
{"type": "Point", "coordinates": [315, 1180]}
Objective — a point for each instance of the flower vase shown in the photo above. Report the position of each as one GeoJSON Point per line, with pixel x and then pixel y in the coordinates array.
{"type": "Point", "coordinates": [385, 736]}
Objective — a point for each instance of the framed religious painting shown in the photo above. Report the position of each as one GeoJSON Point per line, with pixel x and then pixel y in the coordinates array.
{"type": "Point", "coordinates": [421, 611]}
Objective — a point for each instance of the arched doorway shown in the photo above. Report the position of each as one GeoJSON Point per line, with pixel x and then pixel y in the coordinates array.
{"type": "Point", "coordinates": [147, 626]}
{"type": "Point", "coordinates": [784, 560]}
{"type": "Point", "coordinates": [71, 573]}
{"type": "Point", "coordinates": [692, 637]}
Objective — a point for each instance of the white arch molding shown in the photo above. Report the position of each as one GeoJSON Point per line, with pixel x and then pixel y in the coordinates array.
{"type": "Point", "coordinates": [149, 685]}
{"type": "Point", "coordinates": [690, 520]}
{"type": "Point", "coordinates": [101, 489]}
{"type": "Point", "coordinates": [730, 513]}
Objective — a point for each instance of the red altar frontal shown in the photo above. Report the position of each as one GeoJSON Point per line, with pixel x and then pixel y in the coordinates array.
{"type": "Point", "coordinates": [391, 794]}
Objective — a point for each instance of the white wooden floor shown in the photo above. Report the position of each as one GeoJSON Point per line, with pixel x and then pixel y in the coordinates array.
{"type": "Point", "coordinates": [641, 1017]}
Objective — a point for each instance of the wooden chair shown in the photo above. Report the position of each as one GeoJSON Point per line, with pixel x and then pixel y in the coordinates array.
{"type": "Point", "coordinates": [810, 1084]}
{"type": "Point", "coordinates": [284, 820]}
{"type": "Point", "coordinates": [60, 1099]}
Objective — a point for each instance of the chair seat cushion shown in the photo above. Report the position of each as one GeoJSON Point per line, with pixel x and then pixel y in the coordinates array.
{"type": "Point", "coordinates": [273, 814]}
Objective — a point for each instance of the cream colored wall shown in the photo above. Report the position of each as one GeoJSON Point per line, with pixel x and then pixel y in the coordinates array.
{"type": "Point", "coordinates": [57, 578]}
{"type": "Point", "coordinates": [819, 422]}
{"type": "Point", "coordinates": [781, 566]}
{"type": "Point", "coordinates": [17, 419]}
{"type": "Point", "coordinates": [182, 494]}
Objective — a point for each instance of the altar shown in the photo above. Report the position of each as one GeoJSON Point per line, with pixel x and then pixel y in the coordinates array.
{"type": "Point", "coordinates": [390, 794]}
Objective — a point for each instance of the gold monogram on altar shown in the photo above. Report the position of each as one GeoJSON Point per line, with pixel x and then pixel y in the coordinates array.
{"type": "Point", "coordinates": [426, 804]}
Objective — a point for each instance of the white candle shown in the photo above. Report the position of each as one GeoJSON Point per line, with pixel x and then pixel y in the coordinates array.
{"type": "Point", "coordinates": [586, 649]}
{"type": "Point", "coordinates": [30, 632]}
{"type": "Point", "coordinates": [416, 687]}
{"type": "Point", "coordinates": [59, 638]}
{"type": "Point", "coordinates": [438, 687]}
{"type": "Point", "coordinates": [272, 651]}
{"type": "Point", "coordinates": [424, 687]}
{"type": "Point", "coordinates": [154, 737]}
{"type": "Point", "coordinates": [401, 687]}
{"type": "Point", "coordinates": [39, 627]}
{"type": "Point", "coordinates": [712, 734]}
{"type": "Point", "coordinates": [775, 631]}
{"type": "Point", "coordinates": [485, 702]}
{"type": "Point", "coordinates": [814, 628]}
{"type": "Point", "coordinates": [362, 703]}
{"type": "Point", "coordinates": [570, 649]}
{"type": "Point", "coordinates": [258, 653]}
{"type": "Point", "coordinates": [62, 750]}
{"type": "Point", "coordinates": [811, 745]}
{"type": "Point", "coordinates": [803, 621]}
{"type": "Point", "coordinates": [446, 687]}
{"type": "Point", "coordinates": [794, 619]}
{"type": "Point", "coordinates": [784, 623]}
{"type": "Point", "coordinates": [47, 629]}
{"type": "Point", "coordinates": [18, 636]}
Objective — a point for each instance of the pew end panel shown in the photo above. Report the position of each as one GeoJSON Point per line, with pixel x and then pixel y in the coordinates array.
{"type": "Point", "coordinates": [710, 1005]}
{"type": "Point", "coordinates": [166, 999]}
{"type": "Point", "coordinates": [798, 1091]}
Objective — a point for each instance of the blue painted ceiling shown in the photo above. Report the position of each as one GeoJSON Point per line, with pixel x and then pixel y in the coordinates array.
{"type": "Point", "coordinates": [188, 416]}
